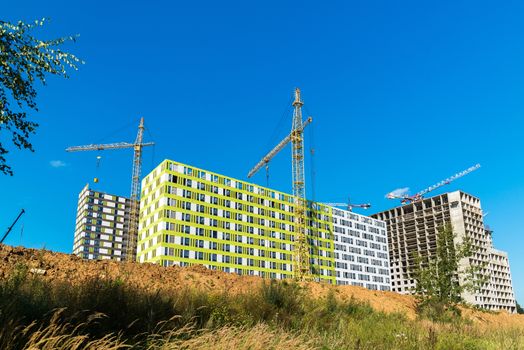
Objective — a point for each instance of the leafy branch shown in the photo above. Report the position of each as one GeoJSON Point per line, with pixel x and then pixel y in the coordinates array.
{"type": "Point", "coordinates": [25, 59]}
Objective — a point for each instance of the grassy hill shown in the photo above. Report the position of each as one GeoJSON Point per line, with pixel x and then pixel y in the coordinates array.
{"type": "Point", "coordinates": [57, 301]}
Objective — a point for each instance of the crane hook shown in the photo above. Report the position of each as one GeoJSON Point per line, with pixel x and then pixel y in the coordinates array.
{"type": "Point", "coordinates": [95, 180]}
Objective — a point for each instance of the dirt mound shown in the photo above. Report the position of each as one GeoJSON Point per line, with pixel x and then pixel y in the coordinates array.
{"type": "Point", "coordinates": [63, 267]}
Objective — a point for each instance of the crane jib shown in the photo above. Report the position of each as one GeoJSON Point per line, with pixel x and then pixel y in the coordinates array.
{"type": "Point", "coordinates": [277, 149]}
{"type": "Point", "coordinates": [107, 146]}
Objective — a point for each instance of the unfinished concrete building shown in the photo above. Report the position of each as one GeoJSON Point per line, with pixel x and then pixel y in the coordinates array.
{"type": "Point", "coordinates": [412, 229]}
{"type": "Point", "coordinates": [500, 287]}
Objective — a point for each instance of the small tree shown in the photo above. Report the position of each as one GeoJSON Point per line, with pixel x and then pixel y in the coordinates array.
{"type": "Point", "coordinates": [25, 59]}
{"type": "Point", "coordinates": [520, 310]}
{"type": "Point", "coordinates": [437, 277]}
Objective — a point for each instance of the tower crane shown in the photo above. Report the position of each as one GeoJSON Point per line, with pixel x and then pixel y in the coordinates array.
{"type": "Point", "coordinates": [350, 205]}
{"type": "Point", "coordinates": [406, 199]}
{"type": "Point", "coordinates": [130, 252]}
{"type": "Point", "coordinates": [301, 264]}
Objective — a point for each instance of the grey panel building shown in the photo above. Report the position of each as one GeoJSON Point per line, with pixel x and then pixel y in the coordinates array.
{"type": "Point", "coordinates": [412, 229]}
{"type": "Point", "coordinates": [102, 225]}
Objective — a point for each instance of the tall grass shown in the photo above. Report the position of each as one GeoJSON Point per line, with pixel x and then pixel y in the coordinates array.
{"type": "Point", "coordinates": [112, 314]}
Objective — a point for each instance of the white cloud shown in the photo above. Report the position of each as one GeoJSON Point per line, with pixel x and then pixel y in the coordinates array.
{"type": "Point", "coordinates": [399, 192]}
{"type": "Point", "coordinates": [57, 163]}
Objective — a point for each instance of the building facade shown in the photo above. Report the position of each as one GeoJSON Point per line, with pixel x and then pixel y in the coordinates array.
{"type": "Point", "coordinates": [412, 230]}
{"type": "Point", "coordinates": [361, 250]}
{"type": "Point", "coordinates": [500, 287]}
{"type": "Point", "coordinates": [102, 224]}
{"type": "Point", "coordinates": [192, 216]}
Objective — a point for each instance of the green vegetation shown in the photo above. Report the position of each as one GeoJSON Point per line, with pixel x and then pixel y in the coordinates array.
{"type": "Point", "coordinates": [520, 310]}
{"type": "Point", "coordinates": [437, 277]}
{"type": "Point", "coordinates": [25, 59]}
{"type": "Point", "coordinates": [111, 314]}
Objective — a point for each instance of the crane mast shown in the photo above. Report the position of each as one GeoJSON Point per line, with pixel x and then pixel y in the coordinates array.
{"type": "Point", "coordinates": [130, 248]}
{"type": "Point", "coordinates": [301, 266]}
{"type": "Point", "coordinates": [301, 253]}
{"type": "Point", "coordinates": [135, 194]}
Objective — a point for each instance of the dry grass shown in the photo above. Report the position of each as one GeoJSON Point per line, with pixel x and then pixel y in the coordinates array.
{"type": "Point", "coordinates": [88, 305]}
{"type": "Point", "coordinates": [58, 335]}
{"type": "Point", "coordinates": [258, 337]}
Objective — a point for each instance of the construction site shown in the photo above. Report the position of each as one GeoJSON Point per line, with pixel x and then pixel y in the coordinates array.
{"type": "Point", "coordinates": [194, 259]}
{"type": "Point", "coordinates": [182, 215]}
{"type": "Point", "coordinates": [261, 176]}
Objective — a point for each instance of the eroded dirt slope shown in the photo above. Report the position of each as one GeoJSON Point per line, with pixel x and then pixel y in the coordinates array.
{"type": "Point", "coordinates": [65, 267]}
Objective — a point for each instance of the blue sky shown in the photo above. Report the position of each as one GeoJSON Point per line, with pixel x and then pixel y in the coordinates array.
{"type": "Point", "coordinates": [402, 94]}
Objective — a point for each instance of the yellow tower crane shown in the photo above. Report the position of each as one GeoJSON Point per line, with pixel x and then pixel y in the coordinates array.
{"type": "Point", "coordinates": [130, 243]}
{"type": "Point", "coordinates": [301, 264]}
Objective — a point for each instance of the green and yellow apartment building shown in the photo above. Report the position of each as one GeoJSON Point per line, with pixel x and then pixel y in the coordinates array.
{"type": "Point", "coordinates": [193, 216]}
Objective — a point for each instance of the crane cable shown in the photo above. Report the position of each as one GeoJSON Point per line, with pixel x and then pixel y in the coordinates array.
{"type": "Point", "coordinates": [153, 150]}
{"type": "Point", "coordinates": [98, 157]}
{"type": "Point", "coordinates": [315, 231]}
{"type": "Point", "coordinates": [274, 134]}
{"type": "Point", "coordinates": [133, 121]}
{"type": "Point", "coordinates": [312, 148]}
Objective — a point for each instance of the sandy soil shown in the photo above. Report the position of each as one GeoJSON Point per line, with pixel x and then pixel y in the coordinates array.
{"type": "Point", "coordinates": [60, 267]}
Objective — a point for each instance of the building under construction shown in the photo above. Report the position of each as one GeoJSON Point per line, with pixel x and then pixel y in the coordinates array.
{"type": "Point", "coordinates": [412, 230]}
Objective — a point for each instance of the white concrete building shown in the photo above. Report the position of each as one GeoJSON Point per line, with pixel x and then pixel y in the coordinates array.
{"type": "Point", "coordinates": [361, 251]}
{"type": "Point", "coordinates": [101, 225]}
